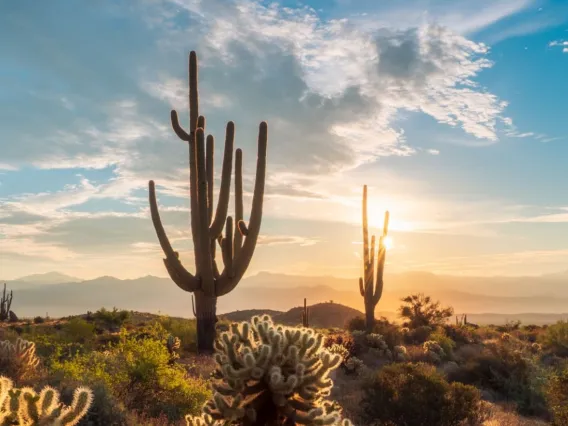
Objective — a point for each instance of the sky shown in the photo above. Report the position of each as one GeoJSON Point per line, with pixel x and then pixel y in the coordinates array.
{"type": "Point", "coordinates": [451, 111]}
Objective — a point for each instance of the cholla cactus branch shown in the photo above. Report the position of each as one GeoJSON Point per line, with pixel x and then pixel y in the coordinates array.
{"type": "Point", "coordinates": [371, 284]}
{"type": "Point", "coordinates": [267, 373]}
{"type": "Point", "coordinates": [28, 408]}
{"type": "Point", "coordinates": [18, 360]}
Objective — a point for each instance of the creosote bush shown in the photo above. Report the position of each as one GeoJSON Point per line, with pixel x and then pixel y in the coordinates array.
{"type": "Point", "coordinates": [268, 374]}
{"type": "Point", "coordinates": [407, 394]}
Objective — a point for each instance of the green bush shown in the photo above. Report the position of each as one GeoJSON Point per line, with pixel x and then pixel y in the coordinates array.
{"type": "Point", "coordinates": [137, 372]}
{"type": "Point", "coordinates": [515, 376]}
{"type": "Point", "coordinates": [445, 343]}
{"type": "Point", "coordinates": [557, 397]}
{"type": "Point", "coordinates": [78, 330]}
{"type": "Point", "coordinates": [184, 329]}
{"type": "Point", "coordinates": [391, 332]}
{"type": "Point", "coordinates": [111, 319]}
{"type": "Point", "coordinates": [410, 394]}
{"type": "Point", "coordinates": [555, 338]}
{"type": "Point", "coordinates": [38, 320]}
{"type": "Point", "coordinates": [356, 324]}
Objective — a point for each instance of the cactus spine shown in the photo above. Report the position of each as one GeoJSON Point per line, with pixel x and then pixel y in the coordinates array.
{"type": "Point", "coordinates": [5, 304]}
{"type": "Point", "coordinates": [206, 225]}
{"type": "Point", "coordinates": [371, 285]}
{"type": "Point", "coordinates": [305, 315]}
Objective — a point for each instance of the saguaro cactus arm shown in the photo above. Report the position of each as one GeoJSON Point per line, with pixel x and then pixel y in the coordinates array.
{"type": "Point", "coordinates": [228, 281]}
{"type": "Point", "coordinates": [184, 279]}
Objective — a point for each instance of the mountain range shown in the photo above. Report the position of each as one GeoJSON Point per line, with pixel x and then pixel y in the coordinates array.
{"type": "Point", "coordinates": [498, 297]}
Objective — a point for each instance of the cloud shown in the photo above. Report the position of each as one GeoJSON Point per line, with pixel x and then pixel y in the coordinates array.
{"type": "Point", "coordinates": [559, 43]}
{"type": "Point", "coordinates": [274, 240]}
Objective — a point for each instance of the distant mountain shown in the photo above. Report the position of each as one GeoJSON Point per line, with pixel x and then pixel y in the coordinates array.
{"type": "Point", "coordinates": [277, 292]}
{"type": "Point", "coordinates": [43, 279]}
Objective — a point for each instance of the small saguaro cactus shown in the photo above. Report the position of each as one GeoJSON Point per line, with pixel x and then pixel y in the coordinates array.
{"type": "Point", "coordinates": [305, 315]}
{"type": "Point", "coordinates": [371, 284]}
{"type": "Point", "coordinates": [237, 246]}
{"type": "Point", "coordinates": [5, 304]}
{"type": "Point", "coordinates": [271, 375]}
{"type": "Point", "coordinates": [25, 407]}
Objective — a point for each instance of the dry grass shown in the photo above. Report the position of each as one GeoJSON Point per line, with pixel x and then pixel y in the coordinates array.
{"type": "Point", "coordinates": [503, 416]}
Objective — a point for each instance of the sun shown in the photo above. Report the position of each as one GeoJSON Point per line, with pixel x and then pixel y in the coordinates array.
{"type": "Point", "coordinates": [387, 242]}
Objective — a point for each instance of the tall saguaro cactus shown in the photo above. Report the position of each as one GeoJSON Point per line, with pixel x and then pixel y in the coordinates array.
{"type": "Point", "coordinates": [237, 248]}
{"type": "Point", "coordinates": [371, 284]}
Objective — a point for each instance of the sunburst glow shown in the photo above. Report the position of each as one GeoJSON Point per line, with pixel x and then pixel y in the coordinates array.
{"type": "Point", "coordinates": [387, 241]}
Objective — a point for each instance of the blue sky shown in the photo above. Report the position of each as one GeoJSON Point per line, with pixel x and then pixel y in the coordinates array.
{"type": "Point", "coordinates": [451, 112]}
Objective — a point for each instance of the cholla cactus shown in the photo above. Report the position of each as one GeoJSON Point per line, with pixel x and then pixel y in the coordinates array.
{"type": "Point", "coordinates": [173, 344]}
{"type": "Point", "coordinates": [400, 354]}
{"type": "Point", "coordinates": [378, 345]}
{"type": "Point", "coordinates": [506, 337]}
{"type": "Point", "coordinates": [434, 350]}
{"type": "Point", "coordinates": [353, 365]}
{"type": "Point", "coordinates": [267, 373]}
{"type": "Point", "coordinates": [19, 360]}
{"type": "Point", "coordinates": [339, 350]}
{"type": "Point", "coordinates": [24, 407]}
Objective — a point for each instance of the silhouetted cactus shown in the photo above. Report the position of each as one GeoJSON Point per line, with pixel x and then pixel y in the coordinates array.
{"type": "Point", "coordinates": [305, 315]}
{"type": "Point", "coordinates": [25, 407]}
{"type": "Point", "coordinates": [371, 284]}
{"type": "Point", "coordinates": [268, 375]}
{"type": "Point", "coordinates": [206, 227]}
{"type": "Point", "coordinates": [5, 304]}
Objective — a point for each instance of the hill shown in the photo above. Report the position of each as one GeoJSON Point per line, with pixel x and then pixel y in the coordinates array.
{"type": "Point", "coordinates": [322, 315]}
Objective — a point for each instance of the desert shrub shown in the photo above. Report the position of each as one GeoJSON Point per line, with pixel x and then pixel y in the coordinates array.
{"type": "Point", "coordinates": [486, 333]}
{"type": "Point", "coordinates": [407, 394]}
{"type": "Point", "coordinates": [461, 335]}
{"type": "Point", "coordinates": [555, 338]}
{"type": "Point", "coordinates": [184, 329]}
{"type": "Point", "coordinates": [78, 330]}
{"type": "Point", "coordinates": [445, 343]}
{"type": "Point", "coordinates": [509, 326]}
{"type": "Point", "coordinates": [418, 335]}
{"type": "Point", "coordinates": [38, 320]}
{"type": "Point", "coordinates": [419, 310]}
{"type": "Point", "coordinates": [557, 397]}
{"type": "Point", "coordinates": [356, 324]}
{"type": "Point", "coordinates": [510, 373]}
{"type": "Point", "coordinates": [138, 372]}
{"type": "Point", "coordinates": [391, 333]}
{"type": "Point", "coordinates": [112, 320]}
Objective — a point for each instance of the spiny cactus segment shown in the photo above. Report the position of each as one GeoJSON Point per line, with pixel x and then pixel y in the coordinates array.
{"type": "Point", "coordinates": [18, 360]}
{"type": "Point", "coordinates": [267, 373]}
{"type": "Point", "coordinates": [25, 407]}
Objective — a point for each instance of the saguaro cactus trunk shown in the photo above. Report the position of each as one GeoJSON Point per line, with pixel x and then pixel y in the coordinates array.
{"type": "Point", "coordinates": [206, 225]}
{"type": "Point", "coordinates": [371, 284]}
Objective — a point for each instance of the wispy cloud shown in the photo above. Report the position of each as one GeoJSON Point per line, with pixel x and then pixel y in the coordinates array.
{"type": "Point", "coordinates": [559, 43]}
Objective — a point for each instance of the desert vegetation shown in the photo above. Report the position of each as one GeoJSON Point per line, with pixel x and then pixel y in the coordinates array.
{"type": "Point", "coordinates": [116, 367]}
